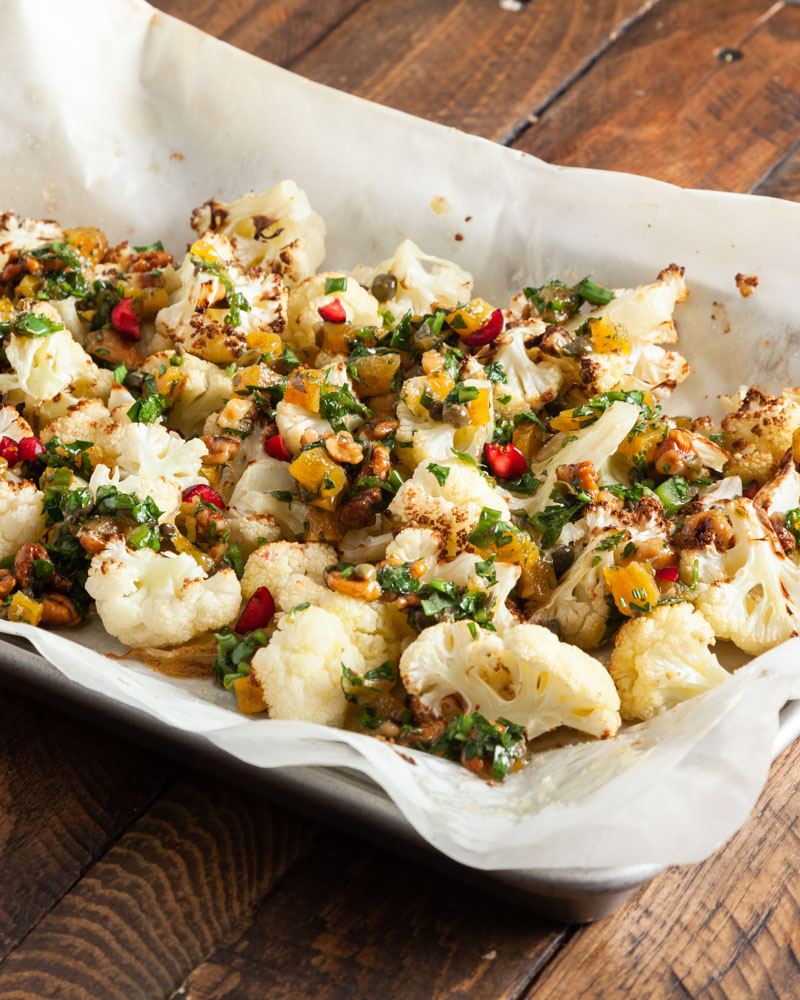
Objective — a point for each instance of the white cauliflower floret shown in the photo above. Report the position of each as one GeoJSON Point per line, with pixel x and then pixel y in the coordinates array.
{"type": "Point", "coordinates": [760, 428]}
{"type": "Point", "coordinates": [277, 230]}
{"type": "Point", "coordinates": [293, 419]}
{"type": "Point", "coordinates": [452, 507]}
{"type": "Point", "coordinates": [782, 493]}
{"type": "Point", "coordinates": [595, 443]}
{"type": "Point", "coordinates": [300, 671]}
{"type": "Point", "coordinates": [166, 493]}
{"type": "Point", "coordinates": [251, 530]}
{"type": "Point", "coordinates": [305, 301]}
{"type": "Point", "coordinates": [530, 384]}
{"type": "Point", "coordinates": [365, 544]}
{"type": "Point", "coordinates": [661, 659]}
{"type": "Point", "coordinates": [89, 420]}
{"type": "Point", "coordinates": [21, 517]}
{"type": "Point", "coordinates": [415, 545]}
{"type": "Point", "coordinates": [66, 309]}
{"type": "Point", "coordinates": [421, 281]}
{"type": "Point", "coordinates": [421, 438]}
{"type": "Point", "coordinates": [255, 491]}
{"type": "Point", "coordinates": [276, 564]}
{"type": "Point", "coordinates": [199, 317]}
{"type": "Point", "coordinates": [12, 425]}
{"type": "Point", "coordinates": [21, 233]}
{"type": "Point", "coordinates": [526, 676]}
{"type": "Point", "coordinates": [749, 593]}
{"type": "Point", "coordinates": [202, 389]}
{"type": "Point", "coordinates": [377, 629]}
{"type": "Point", "coordinates": [49, 373]}
{"type": "Point", "coordinates": [146, 598]}
{"type": "Point", "coordinates": [151, 451]}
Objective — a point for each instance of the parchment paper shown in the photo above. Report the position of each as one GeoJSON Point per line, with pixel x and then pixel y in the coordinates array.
{"type": "Point", "coordinates": [117, 115]}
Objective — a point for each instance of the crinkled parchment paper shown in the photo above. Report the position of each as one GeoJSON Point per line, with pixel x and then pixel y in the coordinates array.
{"type": "Point", "coordinates": [116, 115]}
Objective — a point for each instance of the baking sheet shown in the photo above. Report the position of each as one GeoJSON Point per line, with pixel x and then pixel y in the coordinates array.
{"type": "Point", "coordinates": [139, 132]}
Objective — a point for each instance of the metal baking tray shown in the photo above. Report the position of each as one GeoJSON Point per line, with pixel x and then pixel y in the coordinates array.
{"type": "Point", "coordinates": [344, 798]}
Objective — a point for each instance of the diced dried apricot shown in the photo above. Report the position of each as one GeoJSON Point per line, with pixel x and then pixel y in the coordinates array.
{"type": "Point", "coordinates": [90, 242]}
{"type": "Point", "coordinates": [639, 449]}
{"type": "Point", "coordinates": [529, 438]}
{"type": "Point", "coordinates": [317, 472]}
{"type": "Point", "coordinates": [469, 318]}
{"type": "Point", "coordinates": [608, 337]}
{"type": "Point", "coordinates": [633, 588]}
{"type": "Point", "coordinates": [182, 544]}
{"type": "Point", "coordinates": [170, 382]}
{"type": "Point", "coordinates": [205, 251]}
{"type": "Point", "coordinates": [269, 343]}
{"type": "Point", "coordinates": [478, 409]}
{"type": "Point", "coordinates": [304, 389]}
{"type": "Point", "coordinates": [249, 696]}
{"type": "Point", "coordinates": [24, 609]}
{"type": "Point", "coordinates": [28, 287]}
{"type": "Point", "coordinates": [440, 385]}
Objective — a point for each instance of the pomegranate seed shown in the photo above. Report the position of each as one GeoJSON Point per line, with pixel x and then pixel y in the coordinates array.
{"type": "Point", "coordinates": [124, 321]}
{"type": "Point", "coordinates": [487, 333]}
{"type": "Point", "coordinates": [751, 490]}
{"type": "Point", "coordinates": [276, 448]}
{"type": "Point", "coordinates": [30, 449]}
{"type": "Point", "coordinates": [333, 312]}
{"type": "Point", "coordinates": [668, 573]}
{"type": "Point", "coordinates": [258, 612]}
{"type": "Point", "coordinates": [9, 450]}
{"type": "Point", "coordinates": [204, 493]}
{"type": "Point", "coordinates": [505, 460]}
{"type": "Point", "coordinates": [175, 430]}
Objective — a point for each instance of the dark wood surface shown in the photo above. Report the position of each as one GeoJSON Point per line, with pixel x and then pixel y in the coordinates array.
{"type": "Point", "coordinates": [124, 875]}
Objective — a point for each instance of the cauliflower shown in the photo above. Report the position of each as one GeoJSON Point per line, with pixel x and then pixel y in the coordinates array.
{"type": "Point", "coordinates": [251, 530]}
{"type": "Point", "coordinates": [50, 372]}
{"type": "Point", "coordinates": [365, 545]}
{"type": "Point", "coordinates": [293, 419]}
{"type": "Point", "coordinates": [151, 451]}
{"type": "Point", "coordinates": [782, 493]}
{"type": "Point", "coordinates": [276, 230]}
{"type": "Point", "coordinates": [20, 234]}
{"type": "Point", "coordinates": [760, 428]}
{"type": "Point", "coordinates": [452, 507]}
{"type": "Point", "coordinates": [300, 671]}
{"type": "Point", "coordinates": [21, 517]}
{"type": "Point", "coordinates": [166, 493]}
{"type": "Point", "coordinates": [750, 592]}
{"type": "Point", "coordinates": [412, 545]}
{"type": "Point", "coordinates": [221, 312]}
{"type": "Point", "coordinates": [421, 437]}
{"type": "Point", "coordinates": [201, 389]}
{"type": "Point", "coordinates": [595, 443]}
{"type": "Point", "coordinates": [146, 598]}
{"type": "Point", "coordinates": [526, 676]}
{"type": "Point", "coordinates": [661, 659]}
{"type": "Point", "coordinates": [12, 425]}
{"type": "Point", "coordinates": [305, 301]}
{"type": "Point", "coordinates": [276, 564]}
{"type": "Point", "coordinates": [377, 629]}
{"type": "Point", "coordinates": [89, 420]}
{"type": "Point", "coordinates": [255, 491]}
{"type": "Point", "coordinates": [530, 384]}
{"type": "Point", "coordinates": [421, 281]}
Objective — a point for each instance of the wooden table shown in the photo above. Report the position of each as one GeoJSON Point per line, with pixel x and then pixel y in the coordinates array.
{"type": "Point", "coordinates": [123, 875]}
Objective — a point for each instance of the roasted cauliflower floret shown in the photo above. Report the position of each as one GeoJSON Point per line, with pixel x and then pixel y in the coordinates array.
{"type": "Point", "coordinates": [305, 301]}
{"type": "Point", "coordinates": [146, 598]}
{"type": "Point", "coordinates": [221, 312]}
{"type": "Point", "coordinates": [89, 420]}
{"type": "Point", "coordinates": [21, 517]}
{"type": "Point", "coordinates": [12, 425]}
{"type": "Point", "coordinates": [18, 233]}
{"type": "Point", "coordinates": [277, 230]}
{"type": "Point", "coordinates": [300, 671]}
{"type": "Point", "coordinates": [260, 491]}
{"type": "Point", "coordinates": [274, 565]}
{"type": "Point", "coordinates": [525, 384]}
{"type": "Point", "coordinates": [197, 388]}
{"type": "Point", "coordinates": [526, 676]}
{"type": "Point", "coordinates": [760, 429]}
{"type": "Point", "coordinates": [422, 280]}
{"type": "Point", "coordinates": [150, 451]}
{"type": "Point", "coordinates": [663, 658]}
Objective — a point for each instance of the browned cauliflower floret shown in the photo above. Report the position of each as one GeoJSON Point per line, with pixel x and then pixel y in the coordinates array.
{"type": "Point", "coordinates": [760, 429]}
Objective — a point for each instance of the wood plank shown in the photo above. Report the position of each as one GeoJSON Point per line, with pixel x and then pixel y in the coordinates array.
{"type": "Point", "coordinates": [354, 921]}
{"type": "Point", "coordinates": [664, 102]}
{"type": "Point", "coordinates": [277, 30]}
{"type": "Point", "coordinates": [176, 884]}
{"type": "Point", "coordinates": [783, 181]}
{"type": "Point", "coordinates": [727, 928]}
{"type": "Point", "coordinates": [466, 63]}
{"type": "Point", "coordinates": [66, 791]}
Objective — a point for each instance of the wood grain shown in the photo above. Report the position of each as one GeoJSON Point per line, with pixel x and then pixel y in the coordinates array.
{"type": "Point", "coordinates": [66, 790]}
{"type": "Point", "coordinates": [175, 885]}
{"type": "Point", "coordinates": [783, 181]}
{"type": "Point", "coordinates": [466, 63]}
{"type": "Point", "coordinates": [728, 928]}
{"type": "Point", "coordinates": [277, 30]}
{"type": "Point", "coordinates": [354, 921]}
{"type": "Point", "coordinates": [664, 102]}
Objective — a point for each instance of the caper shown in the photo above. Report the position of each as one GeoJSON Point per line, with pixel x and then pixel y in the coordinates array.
{"type": "Point", "coordinates": [563, 557]}
{"type": "Point", "coordinates": [365, 571]}
{"type": "Point", "coordinates": [384, 287]}
{"type": "Point", "coordinates": [167, 530]}
{"type": "Point", "coordinates": [134, 380]}
{"type": "Point", "coordinates": [455, 414]}
{"type": "Point", "coordinates": [436, 409]}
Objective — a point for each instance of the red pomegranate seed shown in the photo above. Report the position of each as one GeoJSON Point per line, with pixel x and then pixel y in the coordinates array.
{"type": "Point", "coordinates": [487, 333]}
{"type": "Point", "coordinates": [124, 321]}
{"type": "Point", "coordinates": [30, 449]}
{"type": "Point", "coordinates": [668, 573]}
{"type": "Point", "coordinates": [276, 448]}
{"type": "Point", "coordinates": [333, 312]}
{"type": "Point", "coordinates": [751, 490]}
{"type": "Point", "coordinates": [9, 450]}
{"type": "Point", "coordinates": [258, 612]}
{"type": "Point", "coordinates": [205, 493]}
{"type": "Point", "coordinates": [505, 460]}
{"type": "Point", "coordinates": [175, 430]}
